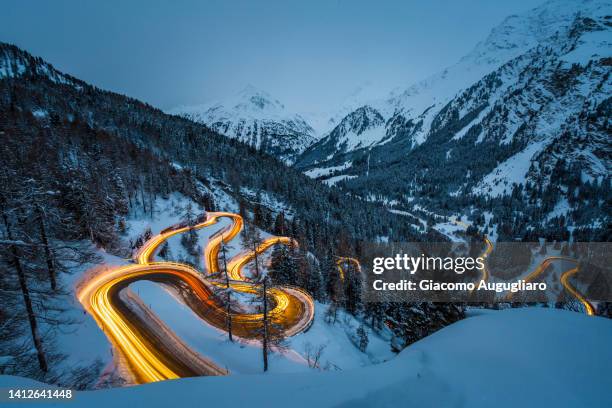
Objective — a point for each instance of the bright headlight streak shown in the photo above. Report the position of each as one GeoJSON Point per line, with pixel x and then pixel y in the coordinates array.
{"type": "Point", "coordinates": [342, 260]}
{"type": "Point", "coordinates": [565, 281]}
{"type": "Point", "coordinates": [590, 310]}
{"type": "Point", "coordinates": [95, 295]}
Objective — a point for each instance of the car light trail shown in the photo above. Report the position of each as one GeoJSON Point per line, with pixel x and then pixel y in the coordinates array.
{"type": "Point", "coordinates": [568, 286]}
{"type": "Point", "coordinates": [537, 271]}
{"type": "Point", "coordinates": [343, 260]}
{"type": "Point", "coordinates": [590, 310]}
{"type": "Point", "coordinates": [293, 308]}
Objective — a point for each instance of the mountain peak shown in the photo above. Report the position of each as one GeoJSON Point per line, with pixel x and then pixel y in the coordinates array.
{"type": "Point", "coordinates": [514, 36]}
{"type": "Point", "coordinates": [473, 97]}
{"type": "Point", "coordinates": [249, 103]}
{"type": "Point", "coordinates": [251, 97]}
{"type": "Point", "coordinates": [518, 33]}
{"type": "Point", "coordinates": [254, 117]}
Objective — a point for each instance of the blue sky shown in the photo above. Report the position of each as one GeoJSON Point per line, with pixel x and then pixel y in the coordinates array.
{"type": "Point", "coordinates": [309, 54]}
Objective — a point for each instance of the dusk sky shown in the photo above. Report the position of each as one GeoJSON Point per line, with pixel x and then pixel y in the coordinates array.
{"type": "Point", "coordinates": [309, 54]}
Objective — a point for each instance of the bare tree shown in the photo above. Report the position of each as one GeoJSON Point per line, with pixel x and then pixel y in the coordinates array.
{"type": "Point", "coordinates": [32, 223]}
{"type": "Point", "coordinates": [23, 284]}
{"type": "Point", "coordinates": [314, 354]}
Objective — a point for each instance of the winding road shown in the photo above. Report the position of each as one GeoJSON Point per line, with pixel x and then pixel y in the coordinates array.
{"type": "Point", "coordinates": [150, 356]}
{"type": "Point", "coordinates": [344, 260]}
{"type": "Point", "coordinates": [588, 307]}
{"type": "Point", "coordinates": [488, 249]}
{"type": "Point", "coordinates": [590, 310]}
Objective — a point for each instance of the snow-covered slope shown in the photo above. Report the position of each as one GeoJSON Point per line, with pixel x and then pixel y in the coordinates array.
{"type": "Point", "coordinates": [410, 114]}
{"type": "Point", "coordinates": [359, 129]}
{"type": "Point", "coordinates": [529, 106]}
{"type": "Point", "coordinates": [512, 358]}
{"type": "Point", "coordinates": [254, 117]}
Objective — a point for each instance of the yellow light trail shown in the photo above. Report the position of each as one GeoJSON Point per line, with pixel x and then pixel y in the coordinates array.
{"type": "Point", "coordinates": [485, 254]}
{"type": "Point", "coordinates": [565, 281]}
{"type": "Point", "coordinates": [293, 307]}
{"type": "Point", "coordinates": [590, 310]}
{"type": "Point", "coordinates": [342, 260]}
{"type": "Point", "coordinates": [537, 271]}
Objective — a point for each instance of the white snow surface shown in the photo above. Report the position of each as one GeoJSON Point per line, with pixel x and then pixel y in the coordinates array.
{"type": "Point", "coordinates": [512, 171]}
{"type": "Point", "coordinates": [512, 358]}
{"type": "Point", "coordinates": [324, 171]}
{"type": "Point", "coordinates": [593, 45]}
{"type": "Point", "coordinates": [336, 179]}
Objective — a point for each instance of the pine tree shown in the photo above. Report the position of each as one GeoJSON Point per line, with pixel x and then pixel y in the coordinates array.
{"type": "Point", "coordinates": [279, 224]}
{"type": "Point", "coordinates": [251, 238]}
{"type": "Point", "coordinates": [352, 288]}
{"type": "Point", "coordinates": [362, 338]}
{"type": "Point", "coordinates": [278, 265]}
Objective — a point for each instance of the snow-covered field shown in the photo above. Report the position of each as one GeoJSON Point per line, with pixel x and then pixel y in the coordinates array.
{"type": "Point", "coordinates": [336, 179]}
{"type": "Point", "coordinates": [531, 357]}
{"type": "Point", "coordinates": [326, 171]}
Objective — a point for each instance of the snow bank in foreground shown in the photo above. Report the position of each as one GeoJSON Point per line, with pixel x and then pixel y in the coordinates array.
{"type": "Point", "coordinates": [511, 358]}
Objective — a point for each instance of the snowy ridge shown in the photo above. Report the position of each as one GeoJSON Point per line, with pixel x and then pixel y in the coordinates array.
{"type": "Point", "coordinates": [325, 121]}
{"type": "Point", "coordinates": [544, 109]}
{"type": "Point", "coordinates": [514, 36]}
{"type": "Point", "coordinates": [15, 63]}
{"type": "Point", "coordinates": [412, 111]}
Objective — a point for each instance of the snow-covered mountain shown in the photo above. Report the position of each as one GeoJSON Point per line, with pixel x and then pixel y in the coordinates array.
{"type": "Point", "coordinates": [359, 129]}
{"type": "Point", "coordinates": [254, 117]}
{"type": "Point", "coordinates": [529, 106]}
{"type": "Point", "coordinates": [412, 112]}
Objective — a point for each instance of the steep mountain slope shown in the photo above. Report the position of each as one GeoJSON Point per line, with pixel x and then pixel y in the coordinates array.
{"type": "Point", "coordinates": [257, 119]}
{"type": "Point", "coordinates": [14, 63]}
{"type": "Point", "coordinates": [543, 115]}
{"type": "Point", "coordinates": [410, 113]}
{"type": "Point", "coordinates": [359, 129]}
